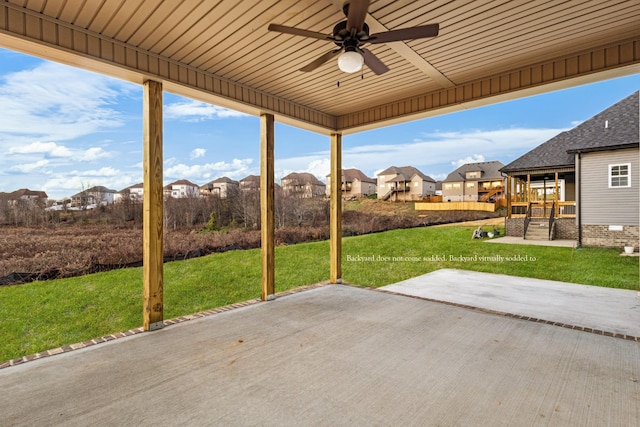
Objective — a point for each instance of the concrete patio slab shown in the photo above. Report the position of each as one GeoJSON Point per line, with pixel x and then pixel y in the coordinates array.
{"type": "Point", "coordinates": [511, 240]}
{"type": "Point", "coordinates": [605, 309]}
{"type": "Point", "coordinates": [335, 355]}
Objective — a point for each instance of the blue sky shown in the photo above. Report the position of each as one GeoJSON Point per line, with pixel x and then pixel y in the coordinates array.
{"type": "Point", "coordinates": [64, 129]}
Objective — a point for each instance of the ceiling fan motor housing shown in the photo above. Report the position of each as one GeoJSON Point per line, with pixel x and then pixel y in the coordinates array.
{"type": "Point", "coordinates": [340, 33]}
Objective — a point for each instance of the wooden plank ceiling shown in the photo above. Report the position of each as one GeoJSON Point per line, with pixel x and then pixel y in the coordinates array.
{"type": "Point", "coordinates": [220, 51]}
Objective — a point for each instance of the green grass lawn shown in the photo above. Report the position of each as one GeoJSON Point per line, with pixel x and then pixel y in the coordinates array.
{"type": "Point", "coordinates": [44, 315]}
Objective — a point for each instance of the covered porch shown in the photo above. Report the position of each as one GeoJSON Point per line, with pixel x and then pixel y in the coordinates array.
{"type": "Point", "coordinates": [541, 204]}
{"type": "Point", "coordinates": [542, 194]}
{"type": "Point", "coordinates": [336, 355]}
{"type": "Point", "coordinates": [228, 55]}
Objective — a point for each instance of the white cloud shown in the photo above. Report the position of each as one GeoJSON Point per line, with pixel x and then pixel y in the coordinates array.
{"type": "Point", "coordinates": [192, 110]}
{"type": "Point", "coordinates": [476, 158]}
{"type": "Point", "coordinates": [107, 171]}
{"type": "Point", "coordinates": [53, 150]}
{"type": "Point", "coordinates": [29, 167]}
{"type": "Point", "coordinates": [198, 152]}
{"type": "Point", "coordinates": [57, 102]}
{"type": "Point", "coordinates": [235, 168]}
{"type": "Point", "coordinates": [47, 148]}
{"type": "Point", "coordinates": [91, 154]}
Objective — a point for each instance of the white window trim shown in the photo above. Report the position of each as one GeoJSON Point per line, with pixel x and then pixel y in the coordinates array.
{"type": "Point", "coordinates": [628, 165]}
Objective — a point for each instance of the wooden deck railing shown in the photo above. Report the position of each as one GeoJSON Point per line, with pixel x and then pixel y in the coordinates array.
{"type": "Point", "coordinates": [539, 210]}
{"type": "Point", "coordinates": [552, 216]}
{"type": "Point", "coordinates": [566, 210]}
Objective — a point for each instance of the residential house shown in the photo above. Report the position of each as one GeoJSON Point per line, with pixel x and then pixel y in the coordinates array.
{"type": "Point", "coordinates": [250, 183]}
{"type": "Point", "coordinates": [133, 192]}
{"type": "Point", "coordinates": [92, 197]}
{"type": "Point", "coordinates": [582, 184]}
{"type": "Point", "coordinates": [404, 183]}
{"type": "Point", "coordinates": [438, 188]}
{"type": "Point", "coordinates": [24, 195]}
{"type": "Point", "coordinates": [222, 187]}
{"type": "Point", "coordinates": [302, 184]}
{"type": "Point", "coordinates": [182, 189]}
{"type": "Point", "coordinates": [354, 184]}
{"type": "Point", "coordinates": [474, 182]}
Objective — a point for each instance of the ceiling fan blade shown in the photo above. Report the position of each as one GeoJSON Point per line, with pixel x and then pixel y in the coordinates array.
{"type": "Point", "coordinates": [321, 60]}
{"type": "Point", "coordinates": [374, 63]}
{"type": "Point", "coordinates": [420, 32]}
{"type": "Point", "coordinates": [299, 32]}
{"type": "Point", "coordinates": [357, 13]}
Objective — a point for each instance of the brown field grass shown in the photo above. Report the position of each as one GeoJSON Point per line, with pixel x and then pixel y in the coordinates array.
{"type": "Point", "coordinates": [65, 250]}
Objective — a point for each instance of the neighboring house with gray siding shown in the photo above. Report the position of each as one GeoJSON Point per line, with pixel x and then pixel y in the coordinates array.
{"type": "Point", "coordinates": [585, 181]}
{"type": "Point", "coordinates": [609, 195]}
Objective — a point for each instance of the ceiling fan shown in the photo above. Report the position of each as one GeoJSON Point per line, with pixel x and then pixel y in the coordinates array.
{"type": "Point", "coordinates": [351, 34]}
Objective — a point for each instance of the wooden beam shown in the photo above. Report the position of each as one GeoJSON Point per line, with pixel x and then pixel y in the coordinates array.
{"type": "Point", "coordinates": [152, 207]}
{"type": "Point", "coordinates": [335, 208]}
{"type": "Point", "coordinates": [531, 79]}
{"type": "Point", "coordinates": [267, 205]}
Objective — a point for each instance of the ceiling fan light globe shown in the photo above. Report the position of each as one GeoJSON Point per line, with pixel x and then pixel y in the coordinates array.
{"type": "Point", "coordinates": [350, 62]}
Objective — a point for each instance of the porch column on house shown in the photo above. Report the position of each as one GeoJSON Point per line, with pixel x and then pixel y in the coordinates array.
{"type": "Point", "coordinates": [557, 200]}
{"type": "Point", "coordinates": [267, 205]}
{"type": "Point", "coordinates": [509, 181]}
{"type": "Point", "coordinates": [335, 207]}
{"type": "Point", "coordinates": [528, 195]}
{"type": "Point", "coordinates": [153, 312]}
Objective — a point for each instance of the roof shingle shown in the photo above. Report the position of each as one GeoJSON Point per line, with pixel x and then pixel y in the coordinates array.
{"type": "Point", "coordinates": [615, 127]}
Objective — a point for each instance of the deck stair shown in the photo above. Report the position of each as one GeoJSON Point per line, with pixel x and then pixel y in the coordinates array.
{"type": "Point", "coordinates": [388, 194]}
{"type": "Point", "coordinates": [538, 229]}
{"type": "Point", "coordinates": [492, 192]}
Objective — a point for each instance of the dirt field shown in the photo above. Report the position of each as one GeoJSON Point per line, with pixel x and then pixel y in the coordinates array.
{"type": "Point", "coordinates": [66, 250]}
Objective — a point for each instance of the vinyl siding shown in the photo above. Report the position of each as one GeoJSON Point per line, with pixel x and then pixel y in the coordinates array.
{"type": "Point", "coordinates": [602, 205]}
{"type": "Point", "coordinates": [453, 194]}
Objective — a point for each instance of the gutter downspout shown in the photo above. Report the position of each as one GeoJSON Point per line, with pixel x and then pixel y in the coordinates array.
{"type": "Point", "coordinates": [579, 201]}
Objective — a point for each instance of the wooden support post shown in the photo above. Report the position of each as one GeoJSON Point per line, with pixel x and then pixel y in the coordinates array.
{"type": "Point", "coordinates": [509, 192]}
{"type": "Point", "coordinates": [335, 207]}
{"type": "Point", "coordinates": [528, 195]}
{"type": "Point", "coordinates": [557, 198]}
{"type": "Point", "coordinates": [267, 205]}
{"type": "Point", "coordinates": [152, 207]}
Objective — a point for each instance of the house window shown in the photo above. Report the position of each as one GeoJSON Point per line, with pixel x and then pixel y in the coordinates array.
{"type": "Point", "coordinates": [620, 175]}
{"type": "Point", "coordinates": [471, 184]}
{"type": "Point", "coordinates": [473, 175]}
